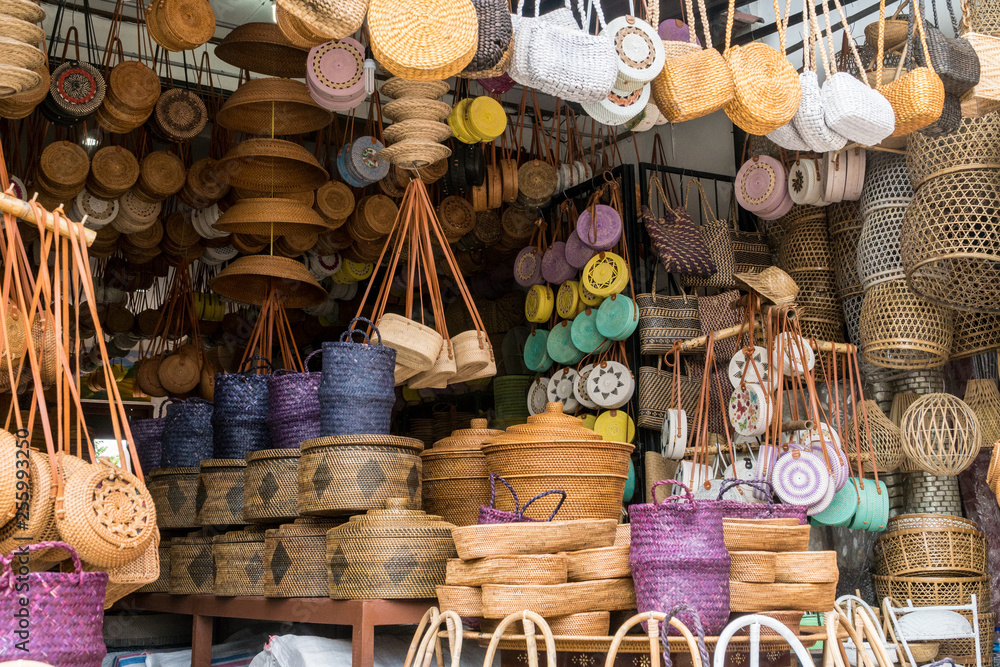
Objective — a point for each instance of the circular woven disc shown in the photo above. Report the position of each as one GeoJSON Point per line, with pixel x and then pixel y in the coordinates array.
{"type": "Point", "coordinates": [800, 478]}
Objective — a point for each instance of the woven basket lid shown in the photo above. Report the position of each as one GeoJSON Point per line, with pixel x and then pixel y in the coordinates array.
{"type": "Point", "coordinates": [269, 454]}
{"type": "Point", "coordinates": [465, 439]}
{"type": "Point", "coordinates": [395, 521]}
{"type": "Point", "coordinates": [204, 181]}
{"type": "Point", "coordinates": [133, 87]}
{"type": "Point", "coordinates": [249, 534]}
{"type": "Point", "coordinates": [64, 164]}
{"type": "Point", "coordinates": [336, 68]}
{"type": "Point", "coordinates": [181, 114]}
{"type": "Point", "coordinates": [307, 526]}
{"type": "Point", "coordinates": [549, 426]}
{"type": "Point", "coordinates": [270, 216]}
{"type": "Point", "coordinates": [261, 48]}
{"type": "Point", "coordinates": [272, 165]}
{"type": "Point", "coordinates": [364, 440]}
{"type": "Point", "coordinates": [192, 539]}
{"type": "Point", "coordinates": [170, 472]}
{"type": "Point", "coordinates": [421, 40]}
{"type": "Point", "coordinates": [162, 174]}
{"type": "Point", "coordinates": [222, 463]}
{"type": "Point", "coordinates": [188, 23]}
{"type": "Point", "coordinates": [284, 105]}
{"type": "Point", "coordinates": [114, 168]}
{"type": "Point", "coordinates": [22, 9]}
{"type": "Point", "coordinates": [397, 88]}
{"type": "Point", "coordinates": [249, 279]}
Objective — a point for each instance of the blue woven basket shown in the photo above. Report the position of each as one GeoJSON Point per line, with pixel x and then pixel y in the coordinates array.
{"type": "Point", "coordinates": [358, 388]}
{"type": "Point", "coordinates": [240, 418]}
{"type": "Point", "coordinates": [187, 434]}
{"type": "Point", "coordinates": [147, 435]}
{"type": "Point", "coordinates": [293, 407]}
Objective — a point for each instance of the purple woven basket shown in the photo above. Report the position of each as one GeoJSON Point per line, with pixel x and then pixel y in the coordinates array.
{"type": "Point", "coordinates": [293, 407]}
{"type": "Point", "coordinates": [734, 509]}
{"type": "Point", "coordinates": [491, 515]}
{"type": "Point", "coordinates": [147, 434]}
{"type": "Point", "coordinates": [63, 612]}
{"type": "Point", "coordinates": [678, 556]}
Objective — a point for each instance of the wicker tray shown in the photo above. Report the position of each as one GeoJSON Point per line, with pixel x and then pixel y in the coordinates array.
{"type": "Point", "coordinates": [545, 537]}
{"type": "Point", "coordinates": [545, 569]}
{"type": "Point", "coordinates": [750, 598]}
{"type": "Point", "coordinates": [271, 486]}
{"type": "Point", "coordinates": [561, 599]}
{"type": "Point", "coordinates": [765, 535]}
{"type": "Point", "coordinates": [602, 563]}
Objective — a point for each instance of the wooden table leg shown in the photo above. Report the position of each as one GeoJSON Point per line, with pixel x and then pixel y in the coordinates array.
{"type": "Point", "coordinates": [201, 640]}
{"type": "Point", "coordinates": [363, 639]}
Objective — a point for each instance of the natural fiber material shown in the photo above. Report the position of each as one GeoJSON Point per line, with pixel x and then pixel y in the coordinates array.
{"type": "Point", "coordinates": [969, 147]}
{"type": "Point", "coordinates": [542, 537]}
{"type": "Point", "coordinates": [350, 474]}
{"type": "Point", "coordinates": [784, 534]}
{"type": "Point", "coordinates": [975, 333]}
{"type": "Point", "coordinates": [161, 585]}
{"type": "Point", "coordinates": [219, 496]}
{"type": "Point", "coordinates": [664, 320]}
{"type": "Point", "coordinates": [130, 577]}
{"type": "Point", "coordinates": [147, 435]}
{"type": "Point", "coordinates": [260, 47]}
{"type": "Point", "coordinates": [902, 330]}
{"type": "Point", "coordinates": [455, 479]}
{"type": "Point", "coordinates": [240, 418]}
{"type": "Point", "coordinates": [844, 220]}
{"type": "Point", "coordinates": [389, 553]}
{"type": "Point", "coordinates": [250, 280]}
{"type": "Point", "coordinates": [806, 244]}
{"type": "Point", "coordinates": [766, 90]}
{"type": "Point", "coordinates": [173, 491]}
{"type": "Point", "coordinates": [270, 488]}
{"type": "Point", "coordinates": [878, 257]}
{"type": "Point", "coordinates": [285, 105]}
{"type": "Point", "coordinates": [465, 601]}
{"type": "Point", "coordinates": [192, 568]}
{"type": "Point", "coordinates": [887, 182]}
{"type": "Point", "coordinates": [918, 545]}
{"type": "Point", "coordinates": [423, 42]}
{"type": "Point", "coordinates": [559, 600]}
{"type": "Point", "coordinates": [18, 532]}
{"type": "Point", "coordinates": [357, 393]}
{"type": "Point", "coordinates": [187, 433]}
{"type": "Point", "coordinates": [293, 412]}
{"type": "Point", "coordinates": [546, 569]}
{"type": "Point", "coordinates": [806, 567]}
{"type": "Point", "coordinates": [755, 567]}
{"type": "Point", "coordinates": [752, 598]}
{"type": "Point", "coordinates": [604, 563]}
{"type": "Point", "coordinates": [239, 563]}
{"type": "Point", "coordinates": [272, 165]}
{"type": "Point", "coordinates": [930, 591]}
{"type": "Point", "coordinates": [295, 563]}
{"type": "Point", "coordinates": [984, 400]}
{"type": "Point", "coordinates": [947, 253]}
{"type": "Point", "coordinates": [940, 434]}
{"type": "Point", "coordinates": [885, 440]}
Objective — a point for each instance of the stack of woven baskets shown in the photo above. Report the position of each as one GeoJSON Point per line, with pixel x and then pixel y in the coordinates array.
{"type": "Point", "coordinates": [772, 570]}
{"type": "Point", "coordinates": [455, 479]}
{"type": "Point", "coordinates": [23, 89]}
{"type": "Point", "coordinates": [899, 329]}
{"type": "Point", "coordinates": [132, 92]}
{"type": "Point", "coordinates": [416, 138]}
{"type": "Point", "coordinates": [936, 559]}
{"type": "Point", "coordinates": [572, 573]}
{"type": "Point", "coordinates": [806, 254]}
{"type": "Point", "coordinates": [845, 224]}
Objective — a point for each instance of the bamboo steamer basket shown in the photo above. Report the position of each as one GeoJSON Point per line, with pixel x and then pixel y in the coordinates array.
{"type": "Point", "coordinates": [545, 569]}
{"type": "Point", "coordinates": [295, 563]}
{"type": "Point", "coordinates": [765, 535]}
{"type": "Point", "coordinates": [192, 568]}
{"type": "Point", "coordinates": [355, 473]}
{"type": "Point", "coordinates": [219, 496]}
{"type": "Point", "coordinates": [466, 601]}
{"type": "Point", "coordinates": [538, 456]}
{"type": "Point", "coordinates": [602, 563]}
{"type": "Point", "coordinates": [753, 567]}
{"type": "Point", "coordinates": [542, 537]}
{"type": "Point", "coordinates": [454, 477]}
{"type": "Point", "coordinates": [239, 562]}
{"type": "Point", "coordinates": [499, 601]}
{"type": "Point", "coordinates": [174, 491]}
{"type": "Point", "coordinates": [271, 486]}
{"type": "Point", "coordinates": [806, 567]}
{"type": "Point", "coordinates": [751, 598]}
{"type": "Point", "coordinates": [931, 545]}
{"type": "Point", "coordinates": [393, 553]}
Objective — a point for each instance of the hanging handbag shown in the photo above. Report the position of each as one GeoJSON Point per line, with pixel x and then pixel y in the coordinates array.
{"type": "Point", "coordinates": [570, 63]}
{"type": "Point", "coordinates": [733, 250]}
{"type": "Point", "coordinates": [788, 135]}
{"type": "Point", "coordinates": [850, 106]}
{"type": "Point", "coordinates": [522, 29]}
{"type": "Point", "coordinates": [953, 58]}
{"type": "Point", "coordinates": [917, 97]}
{"type": "Point", "coordinates": [810, 120]}
{"type": "Point", "coordinates": [696, 83]}
{"type": "Point", "coordinates": [766, 91]}
{"type": "Point", "coordinates": [664, 320]}
{"type": "Point", "coordinates": [657, 389]}
{"type": "Point", "coordinates": [676, 239]}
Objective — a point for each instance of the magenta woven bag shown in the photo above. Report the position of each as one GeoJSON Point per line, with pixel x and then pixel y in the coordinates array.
{"type": "Point", "coordinates": [678, 557]}
{"type": "Point", "coordinates": [734, 509]}
{"type": "Point", "coordinates": [58, 617]}
{"type": "Point", "coordinates": [489, 515]}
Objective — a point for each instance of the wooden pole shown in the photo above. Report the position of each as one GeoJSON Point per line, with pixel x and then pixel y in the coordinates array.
{"type": "Point", "coordinates": [730, 332]}
{"type": "Point", "coordinates": [22, 209]}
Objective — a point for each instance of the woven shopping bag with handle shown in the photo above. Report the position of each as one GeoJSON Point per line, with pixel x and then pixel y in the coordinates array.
{"type": "Point", "coordinates": [732, 249]}
{"type": "Point", "coordinates": [666, 319]}
{"type": "Point", "coordinates": [491, 515]}
{"type": "Point", "coordinates": [676, 239]}
{"type": "Point", "coordinates": [953, 58]}
{"type": "Point", "coordinates": [65, 610]}
{"type": "Point", "coordinates": [810, 120]}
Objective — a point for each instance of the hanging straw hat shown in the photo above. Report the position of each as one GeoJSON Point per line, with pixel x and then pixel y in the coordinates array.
{"type": "Point", "coordinates": [397, 88]}
{"type": "Point", "coordinates": [281, 106]}
{"type": "Point", "coordinates": [772, 283]}
{"type": "Point", "coordinates": [336, 18]}
{"type": "Point", "coordinates": [18, 82]}
{"type": "Point", "coordinates": [279, 217]}
{"type": "Point", "coordinates": [423, 40]}
{"type": "Point", "coordinates": [273, 166]}
{"type": "Point", "coordinates": [21, 30]}
{"type": "Point", "coordinates": [248, 280]}
{"type": "Point", "coordinates": [261, 48]}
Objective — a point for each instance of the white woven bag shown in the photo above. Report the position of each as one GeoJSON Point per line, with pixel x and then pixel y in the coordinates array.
{"type": "Point", "coordinates": [810, 120]}
{"type": "Point", "coordinates": [522, 32]}
{"type": "Point", "coordinates": [570, 63]}
{"type": "Point", "coordinates": [851, 107]}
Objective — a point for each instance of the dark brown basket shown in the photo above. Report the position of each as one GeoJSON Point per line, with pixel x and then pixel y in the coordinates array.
{"type": "Point", "coordinates": [271, 486]}
{"type": "Point", "coordinates": [295, 564]}
{"type": "Point", "coordinates": [239, 562]}
{"type": "Point", "coordinates": [219, 496]}
{"type": "Point", "coordinates": [192, 568]}
{"type": "Point", "coordinates": [173, 491]}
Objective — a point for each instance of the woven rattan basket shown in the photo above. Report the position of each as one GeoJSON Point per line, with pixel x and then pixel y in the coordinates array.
{"type": "Point", "coordinates": [963, 651]}
{"type": "Point", "coordinates": [544, 569]}
{"type": "Point", "coordinates": [466, 601]}
{"type": "Point", "coordinates": [930, 591]}
{"type": "Point", "coordinates": [603, 563]}
{"type": "Point", "coordinates": [949, 255]}
{"type": "Point", "coordinates": [877, 255]}
{"type": "Point", "coordinates": [940, 434]}
{"type": "Point", "coordinates": [806, 567]}
{"type": "Point", "coordinates": [455, 479]}
{"type": "Point", "coordinates": [391, 553]}
{"type": "Point", "coordinates": [559, 600]}
{"type": "Point", "coordinates": [271, 486]}
{"type": "Point", "coordinates": [844, 220]}
{"type": "Point", "coordinates": [356, 473]}
{"type": "Point", "coordinates": [192, 569]}
{"type": "Point", "coordinates": [806, 244]}
{"type": "Point", "coordinates": [162, 583]}
{"type": "Point", "coordinates": [887, 182]}
{"type": "Point", "coordinates": [885, 440]}
{"type": "Point", "coordinates": [295, 563]}
{"type": "Point", "coordinates": [752, 598]}
{"type": "Point", "coordinates": [537, 537]}
{"type": "Point", "coordinates": [975, 333]}
{"type": "Point", "coordinates": [984, 399]}
{"type": "Point", "coordinates": [219, 496]}
{"type": "Point", "coordinates": [239, 562]}
{"type": "Point", "coordinates": [931, 545]}
{"type": "Point", "coordinates": [971, 146]}
{"type": "Point", "coordinates": [753, 567]}
{"type": "Point", "coordinates": [902, 330]}
{"type": "Point", "coordinates": [174, 491]}
{"type": "Point", "coordinates": [587, 624]}
{"type": "Point", "coordinates": [765, 535]}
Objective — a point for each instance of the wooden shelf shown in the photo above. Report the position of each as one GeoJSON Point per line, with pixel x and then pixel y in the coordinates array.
{"type": "Point", "coordinates": [361, 615]}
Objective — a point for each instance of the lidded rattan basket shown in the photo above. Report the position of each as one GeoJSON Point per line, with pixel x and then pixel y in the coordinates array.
{"type": "Point", "coordinates": [554, 451]}
{"type": "Point", "coordinates": [271, 486]}
{"type": "Point", "coordinates": [192, 567]}
{"type": "Point", "coordinates": [295, 564]}
{"type": "Point", "coordinates": [174, 491]}
{"type": "Point", "coordinates": [219, 495]}
{"type": "Point", "coordinates": [239, 562]}
{"type": "Point", "coordinates": [389, 553]}
{"type": "Point", "coordinates": [455, 479]}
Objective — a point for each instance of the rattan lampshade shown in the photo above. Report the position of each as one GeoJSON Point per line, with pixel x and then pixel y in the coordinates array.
{"type": "Point", "coordinates": [940, 434]}
{"type": "Point", "coordinates": [262, 48]}
{"type": "Point", "coordinates": [272, 165]}
{"type": "Point", "coordinates": [273, 105]}
{"type": "Point", "coordinates": [250, 279]}
{"type": "Point", "coordinates": [279, 217]}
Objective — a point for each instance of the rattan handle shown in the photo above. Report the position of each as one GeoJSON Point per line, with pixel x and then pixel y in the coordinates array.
{"type": "Point", "coordinates": [542, 495]}
{"type": "Point", "coordinates": [687, 492]}
{"type": "Point", "coordinates": [8, 560]}
{"type": "Point", "coordinates": [493, 493]}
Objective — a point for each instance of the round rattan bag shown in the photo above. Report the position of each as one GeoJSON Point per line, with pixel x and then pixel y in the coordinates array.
{"type": "Point", "coordinates": [108, 515]}
{"type": "Point", "coordinates": [766, 87]}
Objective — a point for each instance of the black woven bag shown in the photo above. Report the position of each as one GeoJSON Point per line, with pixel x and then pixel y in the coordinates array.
{"type": "Point", "coordinates": [953, 58]}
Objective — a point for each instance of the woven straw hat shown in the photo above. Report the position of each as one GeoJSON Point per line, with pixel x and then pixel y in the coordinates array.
{"type": "Point", "coordinates": [17, 53]}
{"type": "Point", "coordinates": [772, 283]}
{"type": "Point", "coordinates": [398, 88]}
{"type": "Point", "coordinates": [261, 48]}
{"type": "Point", "coordinates": [270, 216]}
{"type": "Point", "coordinates": [272, 165]}
{"type": "Point", "coordinates": [21, 30]}
{"type": "Point", "coordinates": [335, 18]}
{"type": "Point", "coordinates": [283, 106]}
{"type": "Point", "coordinates": [248, 280]}
{"type": "Point", "coordinates": [423, 40]}
{"type": "Point", "coordinates": [406, 108]}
